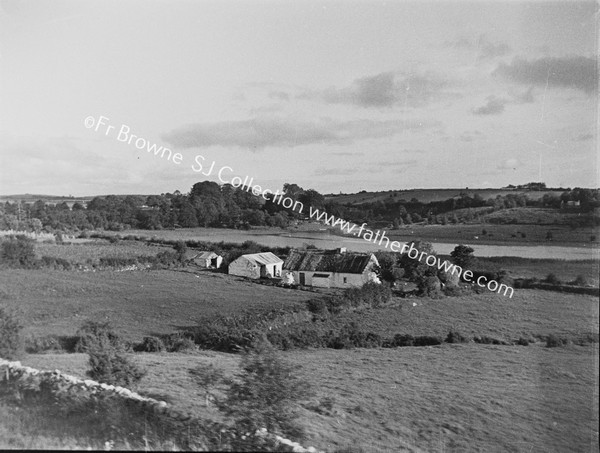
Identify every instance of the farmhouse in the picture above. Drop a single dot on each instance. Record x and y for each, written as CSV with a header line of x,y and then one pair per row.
x,y
257,265
205,260
331,268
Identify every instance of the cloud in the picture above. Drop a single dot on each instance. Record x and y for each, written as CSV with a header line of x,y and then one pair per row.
x,y
335,171
279,95
382,90
509,164
486,49
493,106
584,137
575,72
262,132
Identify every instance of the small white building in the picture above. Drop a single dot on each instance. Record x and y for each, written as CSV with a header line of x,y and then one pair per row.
x,y
205,260
257,265
330,268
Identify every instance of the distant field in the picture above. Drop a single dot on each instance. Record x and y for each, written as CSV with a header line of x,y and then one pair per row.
x,y
96,249
429,195
528,314
138,303
472,398
499,234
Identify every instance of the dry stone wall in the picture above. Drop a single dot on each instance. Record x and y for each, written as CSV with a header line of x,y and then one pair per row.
x,y
63,385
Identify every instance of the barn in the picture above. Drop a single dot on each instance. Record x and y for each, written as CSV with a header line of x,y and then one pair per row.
x,y
257,265
205,260
330,268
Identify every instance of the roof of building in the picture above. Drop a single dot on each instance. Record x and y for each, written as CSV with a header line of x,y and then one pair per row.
x,y
195,254
263,258
327,261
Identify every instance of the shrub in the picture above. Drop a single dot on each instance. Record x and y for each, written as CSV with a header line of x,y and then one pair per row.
x,y
456,337
553,341
523,341
426,340
42,344
552,279
488,340
11,343
264,393
401,340
580,280
317,306
108,364
207,378
152,344
91,333
18,251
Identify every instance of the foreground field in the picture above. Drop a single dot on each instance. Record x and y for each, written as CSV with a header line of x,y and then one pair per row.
x,y
444,398
137,303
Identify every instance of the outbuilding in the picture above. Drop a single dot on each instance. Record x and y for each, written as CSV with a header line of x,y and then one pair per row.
x,y
205,260
257,265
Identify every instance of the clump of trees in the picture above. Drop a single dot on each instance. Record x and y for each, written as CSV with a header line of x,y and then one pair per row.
x,y
11,342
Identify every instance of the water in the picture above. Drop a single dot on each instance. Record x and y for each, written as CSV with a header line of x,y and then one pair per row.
x,y
329,241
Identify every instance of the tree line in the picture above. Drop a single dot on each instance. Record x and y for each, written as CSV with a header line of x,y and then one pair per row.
x,y
209,204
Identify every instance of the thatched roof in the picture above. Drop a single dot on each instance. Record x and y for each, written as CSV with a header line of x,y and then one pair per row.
x,y
327,261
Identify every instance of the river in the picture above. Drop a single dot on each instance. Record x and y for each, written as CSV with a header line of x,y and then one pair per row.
x,y
324,240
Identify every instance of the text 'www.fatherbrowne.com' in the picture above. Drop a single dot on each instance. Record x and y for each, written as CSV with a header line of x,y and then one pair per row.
x,y
379,237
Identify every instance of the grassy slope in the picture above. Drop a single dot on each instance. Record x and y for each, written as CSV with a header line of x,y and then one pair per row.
x,y
529,313
137,303
96,249
447,398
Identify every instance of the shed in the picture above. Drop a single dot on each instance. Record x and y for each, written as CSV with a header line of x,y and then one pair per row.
x,y
257,265
205,260
331,268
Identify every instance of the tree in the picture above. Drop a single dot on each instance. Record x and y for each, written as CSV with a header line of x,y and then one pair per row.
x,y
18,252
264,393
388,269
10,335
207,378
462,256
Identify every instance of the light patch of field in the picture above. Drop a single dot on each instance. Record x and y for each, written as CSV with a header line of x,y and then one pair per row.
x,y
444,398
137,303
529,313
92,251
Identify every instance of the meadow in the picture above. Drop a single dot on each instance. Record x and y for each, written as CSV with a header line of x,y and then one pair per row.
x,y
138,303
449,398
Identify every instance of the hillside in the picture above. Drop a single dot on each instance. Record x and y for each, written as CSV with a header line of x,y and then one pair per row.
x,y
433,195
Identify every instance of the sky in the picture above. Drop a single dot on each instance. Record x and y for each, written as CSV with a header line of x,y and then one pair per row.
x,y
330,95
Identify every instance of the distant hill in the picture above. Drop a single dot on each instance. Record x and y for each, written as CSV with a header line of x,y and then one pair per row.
x,y
432,195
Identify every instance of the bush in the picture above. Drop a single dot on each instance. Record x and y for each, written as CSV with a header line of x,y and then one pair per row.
x,y
91,333
42,344
553,341
552,279
426,340
264,393
18,251
11,343
152,344
456,337
523,341
580,280
317,306
488,340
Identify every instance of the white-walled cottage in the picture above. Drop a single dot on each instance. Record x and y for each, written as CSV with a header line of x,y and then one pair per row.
x,y
205,260
331,268
257,265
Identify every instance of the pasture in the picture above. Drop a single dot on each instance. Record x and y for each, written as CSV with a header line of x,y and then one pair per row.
x,y
463,398
137,303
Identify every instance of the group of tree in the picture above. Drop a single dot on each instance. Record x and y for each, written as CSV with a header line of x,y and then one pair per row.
x,y
209,204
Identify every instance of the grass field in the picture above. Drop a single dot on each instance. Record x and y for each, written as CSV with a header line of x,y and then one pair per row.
x,y
450,398
95,249
528,314
137,303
